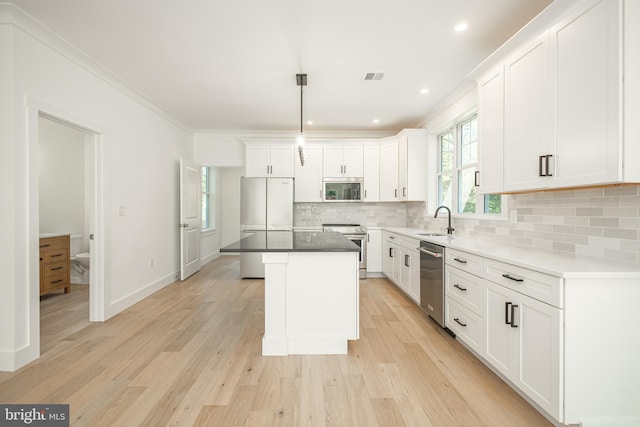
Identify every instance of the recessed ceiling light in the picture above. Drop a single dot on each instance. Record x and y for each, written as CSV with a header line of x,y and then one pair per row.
x,y
376,121
424,91
461,27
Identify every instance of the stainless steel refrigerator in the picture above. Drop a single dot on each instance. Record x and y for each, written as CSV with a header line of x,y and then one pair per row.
x,y
266,204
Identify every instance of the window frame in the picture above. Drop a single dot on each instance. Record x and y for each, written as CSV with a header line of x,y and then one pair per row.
x,y
209,195
454,127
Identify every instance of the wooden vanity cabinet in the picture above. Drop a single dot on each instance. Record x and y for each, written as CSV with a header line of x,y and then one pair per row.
x,y
55,264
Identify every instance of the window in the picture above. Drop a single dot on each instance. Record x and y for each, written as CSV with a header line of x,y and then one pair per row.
x,y
457,165
208,198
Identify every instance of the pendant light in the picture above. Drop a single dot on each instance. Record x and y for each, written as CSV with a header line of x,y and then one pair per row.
x,y
301,80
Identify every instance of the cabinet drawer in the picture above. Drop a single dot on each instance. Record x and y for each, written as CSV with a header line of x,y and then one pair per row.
x,y
52,243
55,255
55,280
464,261
466,325
56,267
540,286
465,288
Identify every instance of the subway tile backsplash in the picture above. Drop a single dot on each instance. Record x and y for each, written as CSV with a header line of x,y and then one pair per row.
x,y
600,222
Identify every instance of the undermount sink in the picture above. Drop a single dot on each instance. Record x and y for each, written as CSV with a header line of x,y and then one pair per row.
x,y
431,234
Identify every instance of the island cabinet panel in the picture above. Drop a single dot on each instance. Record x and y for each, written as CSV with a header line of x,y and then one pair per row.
x,y
55,269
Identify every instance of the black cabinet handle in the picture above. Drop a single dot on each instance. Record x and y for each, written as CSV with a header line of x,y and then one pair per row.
x,y
459,322
460,260
56,281
515,279
540,162
506,313
404,191
547,157
56,255
406,261
45,246
476,179
513,318
56,268
460,287
391,252
395,193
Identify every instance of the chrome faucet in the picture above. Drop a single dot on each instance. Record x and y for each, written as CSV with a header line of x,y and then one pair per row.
x,y
449,228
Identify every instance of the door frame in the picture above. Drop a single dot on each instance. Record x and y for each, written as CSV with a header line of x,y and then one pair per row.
x,y
99,247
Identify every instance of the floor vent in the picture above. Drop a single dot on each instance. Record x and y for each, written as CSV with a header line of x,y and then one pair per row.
x,y
373,76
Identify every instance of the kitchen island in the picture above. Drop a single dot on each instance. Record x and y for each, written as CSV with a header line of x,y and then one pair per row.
x,y
311,290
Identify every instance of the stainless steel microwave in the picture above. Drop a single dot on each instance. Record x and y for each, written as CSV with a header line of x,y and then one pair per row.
x,y
343,189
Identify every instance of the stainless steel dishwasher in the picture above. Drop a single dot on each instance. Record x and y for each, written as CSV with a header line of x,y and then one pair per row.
x,y
432,280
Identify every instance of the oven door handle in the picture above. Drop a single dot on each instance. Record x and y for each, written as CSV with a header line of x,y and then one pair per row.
x,y
433,254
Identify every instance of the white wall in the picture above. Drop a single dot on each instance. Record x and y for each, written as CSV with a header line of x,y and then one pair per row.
x,y
140,152
230,209
61,171
214,150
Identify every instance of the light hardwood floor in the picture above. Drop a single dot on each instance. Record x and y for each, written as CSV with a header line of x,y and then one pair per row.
x,y
191,355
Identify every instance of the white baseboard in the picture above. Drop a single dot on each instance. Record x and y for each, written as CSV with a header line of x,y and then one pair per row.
x,y
11,361
126,302
209,258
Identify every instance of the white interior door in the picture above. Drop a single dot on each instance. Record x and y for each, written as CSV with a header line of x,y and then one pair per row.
x,y
190,222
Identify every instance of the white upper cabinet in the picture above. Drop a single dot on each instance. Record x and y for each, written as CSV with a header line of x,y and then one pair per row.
x,y
343,161
269,161
585,61
412,165
571,102
491,131
389,170
527,113
371,173
308,178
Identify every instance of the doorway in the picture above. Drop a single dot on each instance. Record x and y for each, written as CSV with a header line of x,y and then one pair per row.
x,y
65,166
94,136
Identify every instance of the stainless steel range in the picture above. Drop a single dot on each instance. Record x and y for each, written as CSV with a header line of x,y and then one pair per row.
x,y
357,234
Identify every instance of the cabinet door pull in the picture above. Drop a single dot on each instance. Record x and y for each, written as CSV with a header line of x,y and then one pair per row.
x,y
404,191
395,193
368,238
56,255
56,281
513,317
345,169
365,193
459,322
547,164
476,179
391,252
45,246
515,279
460,287
506,313
56,268
460,260
406,261
540,162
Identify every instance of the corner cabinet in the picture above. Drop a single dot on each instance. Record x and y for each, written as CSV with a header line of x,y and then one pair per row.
x,y
270,160
55,268
308,178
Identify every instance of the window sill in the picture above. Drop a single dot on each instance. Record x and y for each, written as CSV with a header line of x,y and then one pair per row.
x,y
207,232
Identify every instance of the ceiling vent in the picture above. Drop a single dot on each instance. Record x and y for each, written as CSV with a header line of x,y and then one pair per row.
x,y
373,76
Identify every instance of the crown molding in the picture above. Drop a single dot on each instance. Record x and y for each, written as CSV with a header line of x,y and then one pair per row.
x,y
12,15
248,135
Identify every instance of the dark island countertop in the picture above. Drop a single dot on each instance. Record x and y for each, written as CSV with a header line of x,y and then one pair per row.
x,y
293,241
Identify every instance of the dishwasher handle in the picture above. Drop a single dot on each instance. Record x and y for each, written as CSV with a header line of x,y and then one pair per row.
x,y
433,254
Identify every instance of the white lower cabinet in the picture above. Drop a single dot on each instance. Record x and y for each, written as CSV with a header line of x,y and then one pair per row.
x,y
464,323
374,251
401,263
522,340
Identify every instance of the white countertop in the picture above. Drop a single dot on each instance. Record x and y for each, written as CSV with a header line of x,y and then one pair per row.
x,y
555,263
45,235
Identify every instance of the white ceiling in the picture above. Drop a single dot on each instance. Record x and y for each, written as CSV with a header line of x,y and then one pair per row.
x,y
231,65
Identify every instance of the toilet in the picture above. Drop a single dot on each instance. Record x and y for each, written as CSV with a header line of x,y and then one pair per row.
x,y
79,261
